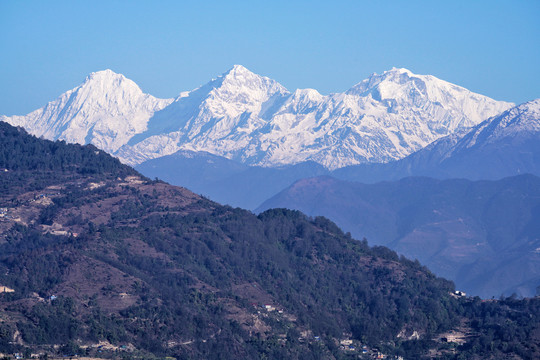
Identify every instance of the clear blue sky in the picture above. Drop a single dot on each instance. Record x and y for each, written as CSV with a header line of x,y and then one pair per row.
x,y
48,47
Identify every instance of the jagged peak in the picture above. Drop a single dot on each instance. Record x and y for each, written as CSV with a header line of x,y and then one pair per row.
x,y
239,71
99,83
106,72
239,77
237,68
108,81
525,113
533,105
395,70
307,93
523,119
104,75
399,81
529,110
394,75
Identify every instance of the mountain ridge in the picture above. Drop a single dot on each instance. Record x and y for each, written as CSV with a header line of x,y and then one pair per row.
x,y
254,120
501,146
480,234
515,151
104,110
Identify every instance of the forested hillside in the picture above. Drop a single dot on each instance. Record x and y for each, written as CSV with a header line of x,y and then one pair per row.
x,y
484,235
96,259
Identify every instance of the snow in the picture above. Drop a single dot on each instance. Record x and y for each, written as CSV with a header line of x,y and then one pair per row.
x,y
253,119
106,110
519,122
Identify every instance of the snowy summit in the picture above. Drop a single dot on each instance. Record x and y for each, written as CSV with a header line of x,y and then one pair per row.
x,y
107,109
253,119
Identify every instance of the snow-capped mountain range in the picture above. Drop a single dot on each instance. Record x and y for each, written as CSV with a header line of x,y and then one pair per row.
x,y
253,119
518,123
504,145
106,110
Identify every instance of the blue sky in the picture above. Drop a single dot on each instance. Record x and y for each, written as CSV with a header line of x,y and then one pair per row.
x,y
48,47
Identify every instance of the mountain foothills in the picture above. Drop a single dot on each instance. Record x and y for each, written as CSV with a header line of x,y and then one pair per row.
x,y
484,235
97,260
255,121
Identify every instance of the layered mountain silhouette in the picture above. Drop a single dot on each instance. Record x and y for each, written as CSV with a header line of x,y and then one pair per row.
x,y
504,145
241,138
227,181
481,234
484,235
98,260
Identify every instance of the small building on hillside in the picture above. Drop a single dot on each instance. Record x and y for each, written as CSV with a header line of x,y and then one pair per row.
x,y
5,289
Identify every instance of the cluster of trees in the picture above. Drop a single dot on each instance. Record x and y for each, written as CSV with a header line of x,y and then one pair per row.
x,y
20,151
506,326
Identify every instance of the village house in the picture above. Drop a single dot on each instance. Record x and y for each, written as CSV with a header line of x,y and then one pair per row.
x,y
5,289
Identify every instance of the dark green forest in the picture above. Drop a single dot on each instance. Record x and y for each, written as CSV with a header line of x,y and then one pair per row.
x,y
97,253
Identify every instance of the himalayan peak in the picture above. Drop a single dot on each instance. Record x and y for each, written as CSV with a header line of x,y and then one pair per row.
x,y
253,119
107,109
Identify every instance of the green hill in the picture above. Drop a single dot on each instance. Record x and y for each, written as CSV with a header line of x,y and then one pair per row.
x,y
98,260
